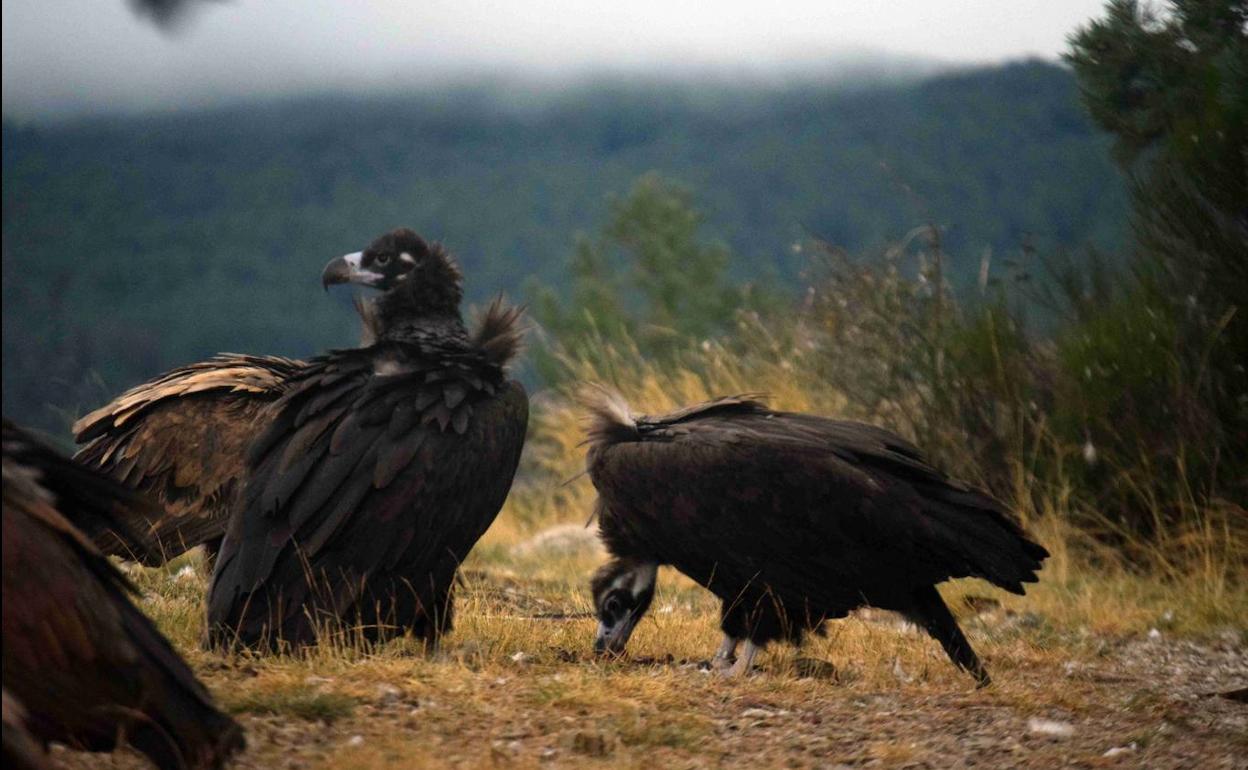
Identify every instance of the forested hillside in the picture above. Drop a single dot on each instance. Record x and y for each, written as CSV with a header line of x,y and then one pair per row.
x,y
133,244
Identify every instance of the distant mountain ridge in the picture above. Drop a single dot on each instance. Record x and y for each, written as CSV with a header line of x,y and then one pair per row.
x,y
132,244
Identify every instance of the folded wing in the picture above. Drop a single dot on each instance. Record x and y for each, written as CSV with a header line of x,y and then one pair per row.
x,y
182,439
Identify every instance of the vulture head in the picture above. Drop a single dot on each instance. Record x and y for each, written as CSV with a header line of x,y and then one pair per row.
x,y
623,590
416,279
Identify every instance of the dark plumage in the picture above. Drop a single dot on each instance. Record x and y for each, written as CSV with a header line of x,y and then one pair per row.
x,y
88,668
381,468
182,439
791,519
22,750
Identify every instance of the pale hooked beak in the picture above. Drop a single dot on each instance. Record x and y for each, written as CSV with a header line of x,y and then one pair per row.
x,y
346,269
611,640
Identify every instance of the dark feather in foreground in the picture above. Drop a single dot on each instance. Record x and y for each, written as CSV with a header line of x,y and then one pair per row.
x,y
381,468
182,439
22,751
792,519
86,665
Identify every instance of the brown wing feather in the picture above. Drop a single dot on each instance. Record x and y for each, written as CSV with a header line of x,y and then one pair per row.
x,y
21,750
85,663
182,438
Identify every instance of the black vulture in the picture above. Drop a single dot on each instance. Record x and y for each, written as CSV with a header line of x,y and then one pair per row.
x,y
87,667
182,439
791,519
381,468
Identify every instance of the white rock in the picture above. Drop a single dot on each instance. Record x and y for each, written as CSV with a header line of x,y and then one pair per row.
x,y
1050,727
561,540
1118,750
388,693
519,657
356,740
756,713
1154,634
900,672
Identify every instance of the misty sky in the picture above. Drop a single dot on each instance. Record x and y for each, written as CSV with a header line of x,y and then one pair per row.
x,y
68,56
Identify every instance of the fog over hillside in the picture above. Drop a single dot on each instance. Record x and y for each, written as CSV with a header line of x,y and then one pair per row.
x,y
69,57
132,244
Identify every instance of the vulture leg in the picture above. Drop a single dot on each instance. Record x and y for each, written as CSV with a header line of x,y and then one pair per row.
x,y
746,662
930,612
726,654
211,548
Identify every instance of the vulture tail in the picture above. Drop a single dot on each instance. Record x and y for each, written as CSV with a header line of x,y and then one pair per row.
x,y
979,537
155,542
931,612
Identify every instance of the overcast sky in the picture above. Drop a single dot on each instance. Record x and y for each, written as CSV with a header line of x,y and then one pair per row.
x,y
67,56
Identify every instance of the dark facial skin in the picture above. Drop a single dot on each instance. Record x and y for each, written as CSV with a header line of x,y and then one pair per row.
x,y
386,262
623,591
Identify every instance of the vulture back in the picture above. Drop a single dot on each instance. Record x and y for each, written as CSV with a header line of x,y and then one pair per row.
x,y
86,664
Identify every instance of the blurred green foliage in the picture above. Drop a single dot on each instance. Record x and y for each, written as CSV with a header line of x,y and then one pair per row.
x,y
1166,357
650,277
133,244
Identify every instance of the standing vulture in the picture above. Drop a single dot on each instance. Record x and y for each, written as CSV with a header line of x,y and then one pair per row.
x,y
87,667
791,519
381,467
182,439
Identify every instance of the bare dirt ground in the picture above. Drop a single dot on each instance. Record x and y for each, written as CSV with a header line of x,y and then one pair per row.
x,y
514,686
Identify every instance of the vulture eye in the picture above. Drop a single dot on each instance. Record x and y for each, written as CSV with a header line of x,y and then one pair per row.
x,y
612,607
383,259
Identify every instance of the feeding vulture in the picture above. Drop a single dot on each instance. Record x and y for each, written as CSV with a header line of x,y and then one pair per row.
x,y
87,667
381,466
182,439
791,519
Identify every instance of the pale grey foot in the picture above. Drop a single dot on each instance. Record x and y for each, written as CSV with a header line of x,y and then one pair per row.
x,y
745,662
726,654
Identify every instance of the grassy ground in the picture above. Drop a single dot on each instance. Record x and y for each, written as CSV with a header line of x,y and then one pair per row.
x,y
1112,670
1107,662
